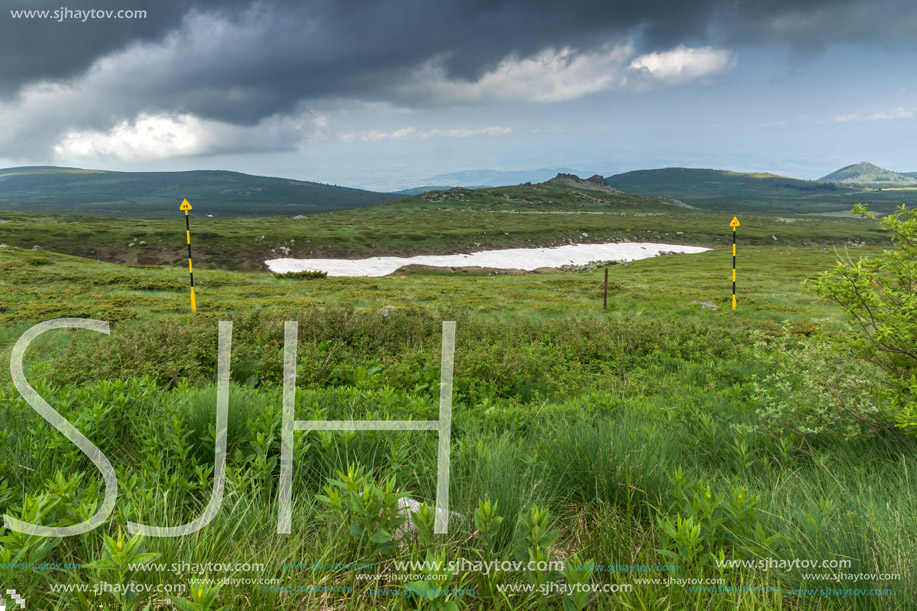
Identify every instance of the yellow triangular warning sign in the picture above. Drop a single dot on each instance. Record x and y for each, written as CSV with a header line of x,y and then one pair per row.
x,y
733,223
185,205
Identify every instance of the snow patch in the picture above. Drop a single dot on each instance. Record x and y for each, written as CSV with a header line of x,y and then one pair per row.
x,y
528,259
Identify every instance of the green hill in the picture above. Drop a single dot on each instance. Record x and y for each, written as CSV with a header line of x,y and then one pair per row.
x,y
549,196
150,194
865,173
755,192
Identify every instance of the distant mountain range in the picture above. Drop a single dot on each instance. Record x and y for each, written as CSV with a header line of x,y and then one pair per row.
x,y
221,193
428,188
738,191
865,173
149,194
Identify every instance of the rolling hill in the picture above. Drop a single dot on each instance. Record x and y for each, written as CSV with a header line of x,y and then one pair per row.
x,y
150,194
755,192
564,193
865,173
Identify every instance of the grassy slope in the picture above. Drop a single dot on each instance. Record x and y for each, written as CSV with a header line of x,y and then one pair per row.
x,y
41,285
440,223
152,194
559,403
738,192
545,381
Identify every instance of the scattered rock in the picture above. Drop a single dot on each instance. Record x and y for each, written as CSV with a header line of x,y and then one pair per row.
x,y
705,304
588,267
142,243
4,245
36,248
775,237
593,183
823,250
130,245
406,508
386,310
585,235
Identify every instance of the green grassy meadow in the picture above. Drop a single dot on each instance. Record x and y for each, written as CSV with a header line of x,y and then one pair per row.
x,y
438,223
636,435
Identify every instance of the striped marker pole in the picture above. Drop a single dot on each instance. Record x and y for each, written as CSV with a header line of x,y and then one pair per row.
x,y
185,206
734,223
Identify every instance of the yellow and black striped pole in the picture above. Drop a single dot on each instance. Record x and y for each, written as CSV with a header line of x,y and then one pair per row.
x,y
186,207
734,223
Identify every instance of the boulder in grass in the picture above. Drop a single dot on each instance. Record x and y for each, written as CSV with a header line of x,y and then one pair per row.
x,y
407,507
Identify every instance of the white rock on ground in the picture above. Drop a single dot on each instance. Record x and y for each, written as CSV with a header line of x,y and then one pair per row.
x,y
528,259
408,507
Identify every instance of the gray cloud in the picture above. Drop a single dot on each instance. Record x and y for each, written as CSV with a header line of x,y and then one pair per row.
x,y
249,63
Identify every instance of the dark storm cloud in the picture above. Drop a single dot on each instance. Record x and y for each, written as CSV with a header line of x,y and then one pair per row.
x,y
48,49
321,44
242,62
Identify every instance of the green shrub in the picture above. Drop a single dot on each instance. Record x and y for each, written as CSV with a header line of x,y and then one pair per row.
x,y
369,512
880,296
308,274
705,525
817,389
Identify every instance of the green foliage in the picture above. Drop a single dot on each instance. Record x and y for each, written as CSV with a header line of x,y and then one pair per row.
x,y
880,295
369,512
487,521
817,389
539,537
119,555
203,598
577,573
703,526
303,275
424,519
432,589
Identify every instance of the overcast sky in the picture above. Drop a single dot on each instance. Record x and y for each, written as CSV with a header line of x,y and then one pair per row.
x,y
385,93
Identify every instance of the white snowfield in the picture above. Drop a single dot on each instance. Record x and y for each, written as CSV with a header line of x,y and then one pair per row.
x,y
512,258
